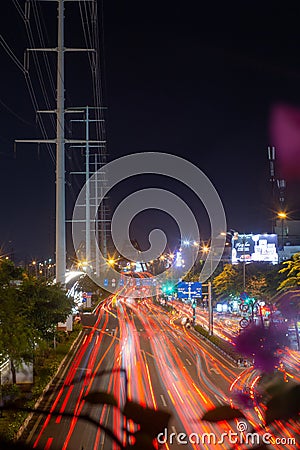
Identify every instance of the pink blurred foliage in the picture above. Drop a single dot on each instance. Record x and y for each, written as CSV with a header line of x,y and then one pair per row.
x,y
262,344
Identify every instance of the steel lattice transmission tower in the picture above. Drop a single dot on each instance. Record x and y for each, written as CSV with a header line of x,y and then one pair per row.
x,y
60,140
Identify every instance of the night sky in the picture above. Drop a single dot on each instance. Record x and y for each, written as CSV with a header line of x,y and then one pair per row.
x,y
186,78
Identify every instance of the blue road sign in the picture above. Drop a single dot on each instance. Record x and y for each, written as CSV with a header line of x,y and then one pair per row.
x,y
189,289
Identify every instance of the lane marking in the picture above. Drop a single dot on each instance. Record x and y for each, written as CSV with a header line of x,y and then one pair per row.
x,y
163,400
188,361
179,349
219,400
174,430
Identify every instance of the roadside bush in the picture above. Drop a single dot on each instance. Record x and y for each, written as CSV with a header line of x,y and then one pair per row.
x,y
226,347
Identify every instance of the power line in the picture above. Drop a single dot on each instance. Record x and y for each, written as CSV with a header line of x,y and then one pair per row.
x,y
11,111
11,53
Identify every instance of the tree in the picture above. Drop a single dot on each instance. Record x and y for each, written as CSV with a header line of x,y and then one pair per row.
x,y
15,337
273,279
288,300
9,273
47,303
229,281
255,286
261,280
292,273
16,334
29,311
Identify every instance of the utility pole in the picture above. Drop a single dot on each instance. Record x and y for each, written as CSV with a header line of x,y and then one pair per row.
x,y
271,157
281,185
92,189
60,141
60,251
210,311
244,263
87,193
97,227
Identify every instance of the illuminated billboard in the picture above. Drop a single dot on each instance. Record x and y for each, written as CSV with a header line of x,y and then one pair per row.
x,y
254,248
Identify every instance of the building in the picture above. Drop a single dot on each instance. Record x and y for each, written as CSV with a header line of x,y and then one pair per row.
x,y
288,232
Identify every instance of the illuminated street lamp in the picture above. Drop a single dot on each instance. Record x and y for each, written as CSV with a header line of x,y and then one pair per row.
x,y
206,249
35,267
83,265
111,261
115,262
282,215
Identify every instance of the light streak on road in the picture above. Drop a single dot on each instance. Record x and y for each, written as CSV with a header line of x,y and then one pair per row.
x,y
166,367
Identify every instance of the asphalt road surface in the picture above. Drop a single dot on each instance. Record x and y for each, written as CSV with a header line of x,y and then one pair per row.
x,y
135,350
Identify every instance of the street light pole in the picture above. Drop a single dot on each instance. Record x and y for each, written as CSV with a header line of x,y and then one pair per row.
x,y
282,216
210,311
244,265
35,268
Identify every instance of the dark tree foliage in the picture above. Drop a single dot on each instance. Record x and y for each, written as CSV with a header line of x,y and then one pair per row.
x,y
47,304
30,309
9,273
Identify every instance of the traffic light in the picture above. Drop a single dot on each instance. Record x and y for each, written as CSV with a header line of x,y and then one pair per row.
x,y
168,288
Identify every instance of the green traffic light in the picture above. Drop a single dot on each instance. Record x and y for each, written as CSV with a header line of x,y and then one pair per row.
x,y
168,288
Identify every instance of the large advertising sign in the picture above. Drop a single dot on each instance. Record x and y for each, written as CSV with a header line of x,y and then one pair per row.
x,y
254,248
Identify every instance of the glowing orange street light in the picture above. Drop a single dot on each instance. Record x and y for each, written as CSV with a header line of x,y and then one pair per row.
x,y
282,215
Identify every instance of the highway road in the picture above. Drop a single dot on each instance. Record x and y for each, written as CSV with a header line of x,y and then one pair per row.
x,y
227,328
167,366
